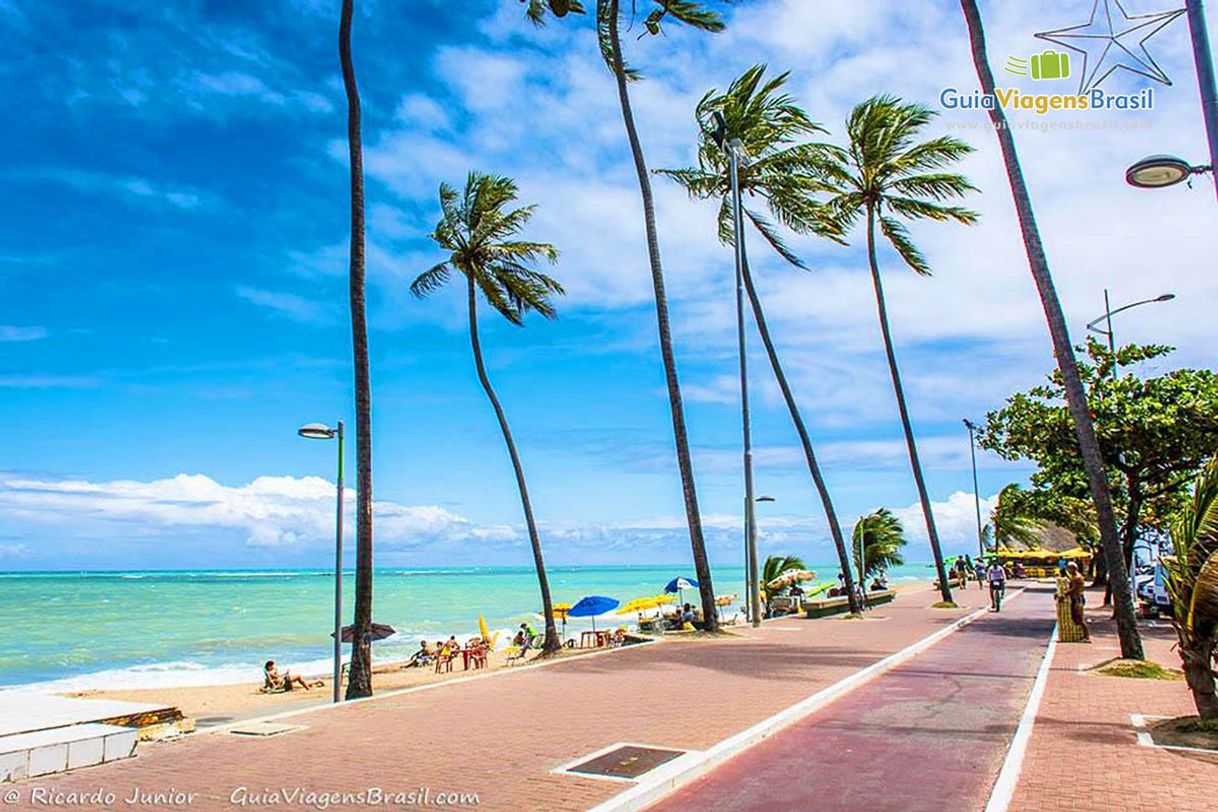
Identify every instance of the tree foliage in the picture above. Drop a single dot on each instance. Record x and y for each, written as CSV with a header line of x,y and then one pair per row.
x,y
1154,432
881,537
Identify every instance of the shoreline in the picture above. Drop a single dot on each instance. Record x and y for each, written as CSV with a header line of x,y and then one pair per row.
x,y
221,704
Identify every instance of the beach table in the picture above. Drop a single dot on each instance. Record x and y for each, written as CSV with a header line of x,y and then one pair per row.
x,y
475,655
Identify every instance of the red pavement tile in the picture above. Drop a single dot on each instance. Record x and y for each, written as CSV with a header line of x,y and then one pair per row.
x,y
501,736
1083,749
930,734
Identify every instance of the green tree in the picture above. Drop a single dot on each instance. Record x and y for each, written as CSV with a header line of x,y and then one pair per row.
x,y
888,175
1014,520
1192,584
1038,264
784,173
481,235
880,536
1154,435
608,19
359,680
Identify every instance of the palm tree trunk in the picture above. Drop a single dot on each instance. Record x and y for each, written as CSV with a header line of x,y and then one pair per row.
x,y
553,644
701,564
944,588
359,680
1076,398
1199,674
843,556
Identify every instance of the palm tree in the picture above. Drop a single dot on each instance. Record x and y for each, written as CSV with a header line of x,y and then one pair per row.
x,y
784,173
359,681
481,238
608,17
880,536
1076,397
1011,520
1192,584
888,175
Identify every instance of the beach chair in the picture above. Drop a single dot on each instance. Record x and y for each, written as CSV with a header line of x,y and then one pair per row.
x,y
444,660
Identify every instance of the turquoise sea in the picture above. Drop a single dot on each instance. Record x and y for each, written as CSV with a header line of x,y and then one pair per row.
x,y
135,629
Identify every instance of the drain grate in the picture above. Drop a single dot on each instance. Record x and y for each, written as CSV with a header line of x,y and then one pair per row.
x,y
626,762
264,729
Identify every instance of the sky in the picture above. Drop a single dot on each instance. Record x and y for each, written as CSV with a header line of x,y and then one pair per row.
x,y
173,293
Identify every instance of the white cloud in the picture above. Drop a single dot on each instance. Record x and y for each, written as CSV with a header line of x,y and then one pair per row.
x,y
269,511
10,332
289,305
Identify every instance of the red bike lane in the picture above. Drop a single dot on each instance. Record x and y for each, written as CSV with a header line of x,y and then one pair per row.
x,y
930,734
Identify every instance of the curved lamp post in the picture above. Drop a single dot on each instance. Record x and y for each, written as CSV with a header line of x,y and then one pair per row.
x,y
1160,171
1092,326
320,431
972,448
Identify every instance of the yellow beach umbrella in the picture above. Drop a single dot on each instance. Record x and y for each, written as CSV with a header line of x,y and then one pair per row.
x,y
637,605
660,600
725,600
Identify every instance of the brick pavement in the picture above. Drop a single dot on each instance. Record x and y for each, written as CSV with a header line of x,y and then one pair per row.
x,y
1083,754
930,734
500,736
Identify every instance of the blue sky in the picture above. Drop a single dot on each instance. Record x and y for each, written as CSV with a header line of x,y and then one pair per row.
x,y
173,291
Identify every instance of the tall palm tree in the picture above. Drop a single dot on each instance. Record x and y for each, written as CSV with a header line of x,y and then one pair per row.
x,y
608,17
784,172
481,237
888,175
1192,584
1076,397
1011,519
880,536
359,681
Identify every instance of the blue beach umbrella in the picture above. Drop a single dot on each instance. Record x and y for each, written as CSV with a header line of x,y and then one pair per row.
x,y
678,584
592,606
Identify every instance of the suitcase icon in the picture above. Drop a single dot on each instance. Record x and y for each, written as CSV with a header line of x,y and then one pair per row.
x,y
1050,64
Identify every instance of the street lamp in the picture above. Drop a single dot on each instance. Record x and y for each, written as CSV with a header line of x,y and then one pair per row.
x,y
1092,326
320,431
972,448
1166,170
1160,171
734,148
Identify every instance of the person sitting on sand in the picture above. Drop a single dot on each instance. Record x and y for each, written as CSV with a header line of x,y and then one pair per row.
x,y
274,682
423,656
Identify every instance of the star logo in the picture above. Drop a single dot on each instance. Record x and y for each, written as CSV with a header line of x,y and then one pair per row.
x,y
1112,39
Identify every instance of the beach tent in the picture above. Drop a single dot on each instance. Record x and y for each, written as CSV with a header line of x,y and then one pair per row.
x,y
593,605
379,632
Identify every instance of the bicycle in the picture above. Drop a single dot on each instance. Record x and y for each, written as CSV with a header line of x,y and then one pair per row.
x,y
997,590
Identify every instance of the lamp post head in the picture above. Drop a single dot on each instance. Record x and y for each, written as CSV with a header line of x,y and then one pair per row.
x,y
316,431
1166,297
1159,171
766,499
970,425
719,129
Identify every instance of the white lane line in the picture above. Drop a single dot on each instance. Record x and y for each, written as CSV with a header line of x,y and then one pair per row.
x,y
1004,787
654,787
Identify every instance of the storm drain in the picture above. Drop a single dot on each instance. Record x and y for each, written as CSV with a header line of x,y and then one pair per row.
x,y
264,729
623,762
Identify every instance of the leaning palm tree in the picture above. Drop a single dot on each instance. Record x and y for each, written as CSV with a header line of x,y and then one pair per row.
x,y
1192,584
359,681
783,172
1011,519
880,536
481,237
887,176
608,19
1076,397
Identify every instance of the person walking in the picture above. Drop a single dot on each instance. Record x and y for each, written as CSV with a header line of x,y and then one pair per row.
x,y
979,570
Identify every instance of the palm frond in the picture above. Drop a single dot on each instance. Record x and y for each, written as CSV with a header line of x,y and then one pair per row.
x,y
431,280
915,209
898,235
772,237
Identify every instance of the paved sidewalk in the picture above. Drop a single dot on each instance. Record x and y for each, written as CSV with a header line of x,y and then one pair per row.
x,y
929,735
500,736
1083,754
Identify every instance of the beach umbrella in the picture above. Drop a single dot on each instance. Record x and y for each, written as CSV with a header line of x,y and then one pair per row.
x,y
637,605
593,605
379,632
560,613
678,585
725,600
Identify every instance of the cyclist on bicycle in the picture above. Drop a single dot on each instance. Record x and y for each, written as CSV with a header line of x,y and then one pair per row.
x,y
997,577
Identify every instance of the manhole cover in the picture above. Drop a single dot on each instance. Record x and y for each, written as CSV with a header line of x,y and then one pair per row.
x,y
264,729
628,762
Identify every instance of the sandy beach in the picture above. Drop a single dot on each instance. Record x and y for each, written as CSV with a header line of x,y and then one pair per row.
x,y
211,705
